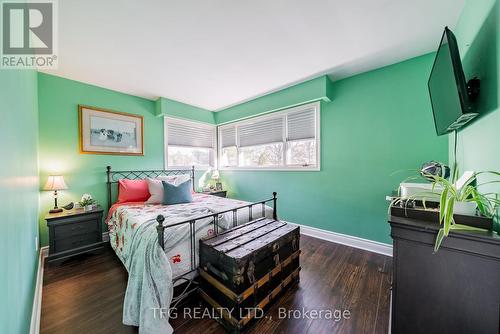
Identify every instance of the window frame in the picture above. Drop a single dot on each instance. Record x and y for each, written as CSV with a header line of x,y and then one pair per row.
x,y
284,166
213,127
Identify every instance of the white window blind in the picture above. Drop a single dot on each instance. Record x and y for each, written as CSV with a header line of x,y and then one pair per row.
x,y
265,131
286,139
227,136
301,124
189,134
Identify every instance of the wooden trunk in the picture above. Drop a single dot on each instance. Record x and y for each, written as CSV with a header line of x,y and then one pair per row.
x,y
244,269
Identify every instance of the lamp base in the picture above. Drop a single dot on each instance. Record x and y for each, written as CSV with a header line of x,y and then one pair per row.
x,y
56,210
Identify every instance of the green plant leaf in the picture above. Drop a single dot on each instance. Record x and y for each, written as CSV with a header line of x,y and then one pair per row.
x,y
486,183
482,205
439,240
442,204
460,227
404,170
448,219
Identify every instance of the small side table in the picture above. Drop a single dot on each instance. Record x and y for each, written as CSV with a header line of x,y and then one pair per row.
x,y
74,232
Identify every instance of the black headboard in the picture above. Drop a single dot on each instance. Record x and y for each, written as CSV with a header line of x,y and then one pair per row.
x,y
114,176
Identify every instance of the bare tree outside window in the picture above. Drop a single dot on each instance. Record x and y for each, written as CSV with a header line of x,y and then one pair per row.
x,y
188,156
302,152
262,155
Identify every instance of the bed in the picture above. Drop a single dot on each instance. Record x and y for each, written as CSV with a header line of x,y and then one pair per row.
x,y
158,244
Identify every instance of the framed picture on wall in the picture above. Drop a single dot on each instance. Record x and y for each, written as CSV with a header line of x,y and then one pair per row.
x,y
103,131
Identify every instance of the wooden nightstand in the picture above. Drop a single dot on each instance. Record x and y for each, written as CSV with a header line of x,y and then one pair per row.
x,y
74,232
218,193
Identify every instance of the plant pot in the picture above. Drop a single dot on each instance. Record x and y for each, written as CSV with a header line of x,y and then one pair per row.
x,y
464,208
89,207
432,215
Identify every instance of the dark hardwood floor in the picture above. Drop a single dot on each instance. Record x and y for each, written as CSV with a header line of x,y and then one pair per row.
x,y
85,295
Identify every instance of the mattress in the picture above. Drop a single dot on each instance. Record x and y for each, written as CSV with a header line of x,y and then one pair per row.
x,y
124,220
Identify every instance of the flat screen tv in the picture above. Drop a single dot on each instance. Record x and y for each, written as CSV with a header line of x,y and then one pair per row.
x,y
451,96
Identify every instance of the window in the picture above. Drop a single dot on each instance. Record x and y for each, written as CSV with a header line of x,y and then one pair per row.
x,y
189,143
288,139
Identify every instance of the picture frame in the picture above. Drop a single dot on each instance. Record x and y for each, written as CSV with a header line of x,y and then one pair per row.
x,y
218,186
104,131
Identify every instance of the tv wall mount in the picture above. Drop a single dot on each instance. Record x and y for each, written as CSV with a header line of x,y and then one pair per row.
x,y
473,86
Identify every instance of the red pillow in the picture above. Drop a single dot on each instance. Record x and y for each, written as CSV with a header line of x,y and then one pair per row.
x,y
132,191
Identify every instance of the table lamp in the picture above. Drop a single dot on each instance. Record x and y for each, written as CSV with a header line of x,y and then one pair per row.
x,y
55,183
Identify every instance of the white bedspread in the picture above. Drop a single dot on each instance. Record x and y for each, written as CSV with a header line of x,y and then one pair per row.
x,y
133,236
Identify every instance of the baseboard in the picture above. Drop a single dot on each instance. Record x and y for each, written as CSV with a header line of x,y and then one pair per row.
x,y
348,240
37,298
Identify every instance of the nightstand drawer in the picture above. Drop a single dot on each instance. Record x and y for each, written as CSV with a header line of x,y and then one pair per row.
x,y
218,193
74,229
62,245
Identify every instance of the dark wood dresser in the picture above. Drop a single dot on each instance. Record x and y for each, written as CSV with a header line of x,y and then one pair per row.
x,y
455,290
74,232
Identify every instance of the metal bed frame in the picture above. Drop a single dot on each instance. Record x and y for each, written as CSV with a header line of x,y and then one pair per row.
x,y
114,176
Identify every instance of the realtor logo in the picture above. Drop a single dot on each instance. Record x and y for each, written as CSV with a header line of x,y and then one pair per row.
x,y
28,34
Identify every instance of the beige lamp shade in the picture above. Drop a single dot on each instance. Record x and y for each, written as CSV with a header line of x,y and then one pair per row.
x,y
215,175
55,182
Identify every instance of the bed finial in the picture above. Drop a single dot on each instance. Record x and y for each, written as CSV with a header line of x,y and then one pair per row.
x,y
192,178
160,219
275,212
108,184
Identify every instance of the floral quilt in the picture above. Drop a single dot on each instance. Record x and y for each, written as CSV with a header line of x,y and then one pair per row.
x,y
133,236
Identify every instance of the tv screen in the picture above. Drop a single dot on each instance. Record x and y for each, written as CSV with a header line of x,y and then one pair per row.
x,y
447,87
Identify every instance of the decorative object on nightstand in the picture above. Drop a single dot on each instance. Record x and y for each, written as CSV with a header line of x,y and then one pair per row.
x,y
74,232
69,206
87,202
216,177
55,183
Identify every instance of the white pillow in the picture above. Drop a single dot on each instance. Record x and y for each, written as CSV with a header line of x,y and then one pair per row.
x,y
175,179
156,186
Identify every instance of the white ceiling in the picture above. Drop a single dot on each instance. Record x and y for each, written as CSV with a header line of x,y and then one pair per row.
x,y
214,54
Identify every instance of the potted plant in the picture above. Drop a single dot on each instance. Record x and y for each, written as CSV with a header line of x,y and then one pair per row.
x,y
87,202
463,199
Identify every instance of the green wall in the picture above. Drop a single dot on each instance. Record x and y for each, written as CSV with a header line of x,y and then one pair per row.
x,y
85,173
377,123
59,150
171,108
365,131
479,40
18,198
318,89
